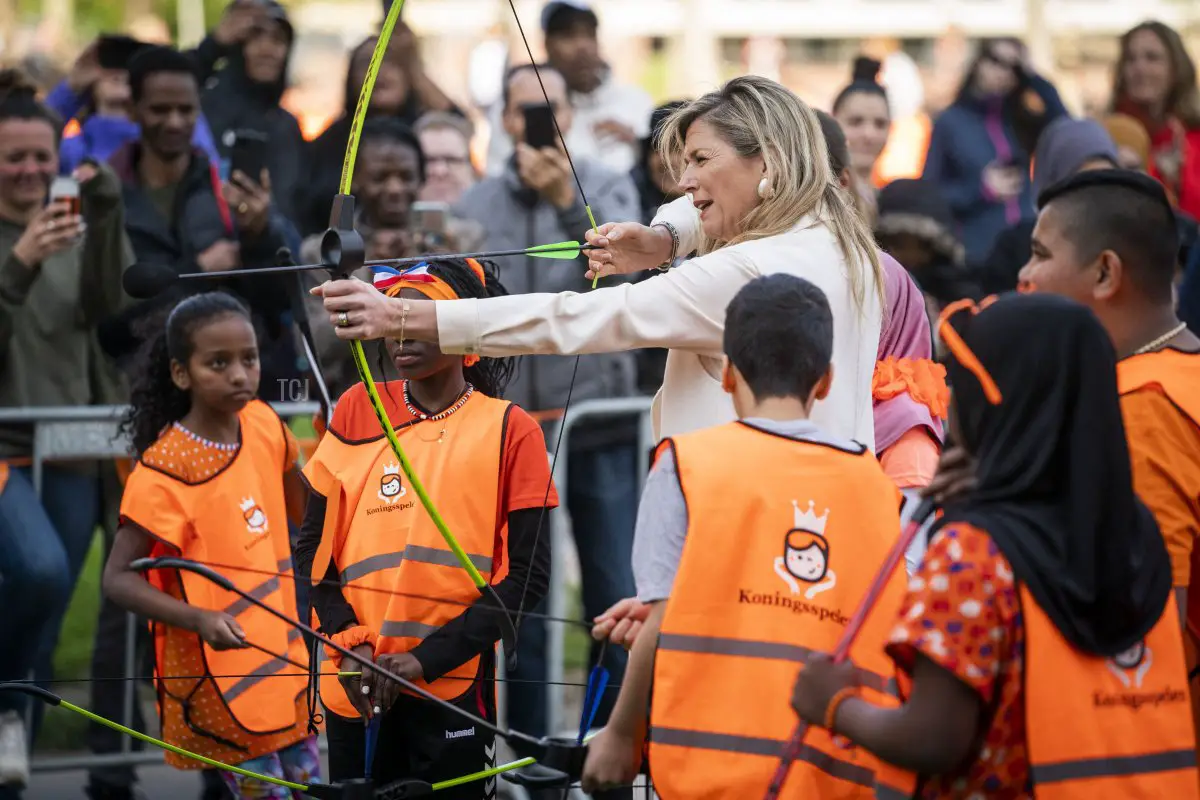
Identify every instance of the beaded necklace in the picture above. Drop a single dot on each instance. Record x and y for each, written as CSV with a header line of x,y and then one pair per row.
x,y
228,448
441,415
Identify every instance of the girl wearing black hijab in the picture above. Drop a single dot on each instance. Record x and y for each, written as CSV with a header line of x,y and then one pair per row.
x,y
1036,609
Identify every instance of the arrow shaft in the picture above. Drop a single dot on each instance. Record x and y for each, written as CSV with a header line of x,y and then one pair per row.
x,y
383,262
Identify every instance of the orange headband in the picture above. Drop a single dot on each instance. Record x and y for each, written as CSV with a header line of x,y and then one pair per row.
x,y
431,285
959,349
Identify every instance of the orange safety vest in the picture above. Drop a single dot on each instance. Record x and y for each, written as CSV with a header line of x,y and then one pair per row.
x,y
1177,375
397,572
1108,729
237,522
775,564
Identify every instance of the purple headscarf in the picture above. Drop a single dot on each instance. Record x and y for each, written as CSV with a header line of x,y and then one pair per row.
x,y
905,334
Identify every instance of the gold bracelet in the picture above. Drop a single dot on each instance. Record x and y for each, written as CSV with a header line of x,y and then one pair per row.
x,y
835,702
404,309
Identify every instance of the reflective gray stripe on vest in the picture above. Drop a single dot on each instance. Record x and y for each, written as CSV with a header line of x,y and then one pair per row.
x,y
1114,767
772,748
884,792
413,552
260,592
257,676
415,630
711,645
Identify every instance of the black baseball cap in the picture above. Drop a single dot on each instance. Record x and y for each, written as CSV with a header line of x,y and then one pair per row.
x,y
553,16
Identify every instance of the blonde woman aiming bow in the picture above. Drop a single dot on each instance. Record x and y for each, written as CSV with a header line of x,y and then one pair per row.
x,y
754,161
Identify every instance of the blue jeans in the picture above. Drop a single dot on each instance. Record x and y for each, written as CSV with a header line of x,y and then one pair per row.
x,y
42,548
602,497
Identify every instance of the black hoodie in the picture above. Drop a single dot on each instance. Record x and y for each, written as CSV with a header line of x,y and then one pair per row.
x,y
231,101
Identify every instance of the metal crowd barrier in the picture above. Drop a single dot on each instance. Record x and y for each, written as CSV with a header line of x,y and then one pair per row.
x,y
84,433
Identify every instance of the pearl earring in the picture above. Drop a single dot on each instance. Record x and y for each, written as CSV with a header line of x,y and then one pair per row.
x,y
765,192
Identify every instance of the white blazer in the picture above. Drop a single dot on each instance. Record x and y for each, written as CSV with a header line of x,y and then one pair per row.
x,y
684,310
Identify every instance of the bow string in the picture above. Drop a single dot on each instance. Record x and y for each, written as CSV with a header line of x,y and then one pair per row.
x,y
575,367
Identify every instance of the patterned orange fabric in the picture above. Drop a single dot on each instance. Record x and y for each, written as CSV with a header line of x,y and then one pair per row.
x,y
922,379
205,709
963,613
190,460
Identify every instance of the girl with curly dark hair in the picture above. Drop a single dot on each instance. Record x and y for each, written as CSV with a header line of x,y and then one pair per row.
x,y
394,592
214,482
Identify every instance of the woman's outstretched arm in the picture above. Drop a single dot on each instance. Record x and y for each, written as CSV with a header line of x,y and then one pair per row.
x,y
683,309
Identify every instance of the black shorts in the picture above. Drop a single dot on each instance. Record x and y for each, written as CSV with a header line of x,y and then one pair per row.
x,y
423,741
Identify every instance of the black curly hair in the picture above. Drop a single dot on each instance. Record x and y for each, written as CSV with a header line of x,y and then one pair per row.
x,y
155,400
491,375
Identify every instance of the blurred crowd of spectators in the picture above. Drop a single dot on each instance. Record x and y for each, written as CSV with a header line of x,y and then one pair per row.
x,y
187,159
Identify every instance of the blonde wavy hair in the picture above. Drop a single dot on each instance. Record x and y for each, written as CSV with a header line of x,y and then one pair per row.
x,y
757,116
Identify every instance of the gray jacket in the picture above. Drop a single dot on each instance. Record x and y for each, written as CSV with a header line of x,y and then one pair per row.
x,y
515,217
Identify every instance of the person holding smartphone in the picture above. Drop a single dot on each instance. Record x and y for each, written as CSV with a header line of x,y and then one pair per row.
x,y
60,273
536,201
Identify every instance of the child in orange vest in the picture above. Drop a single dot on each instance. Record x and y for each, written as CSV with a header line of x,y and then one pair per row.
x,y
214,473
755,542
1040,631
392,590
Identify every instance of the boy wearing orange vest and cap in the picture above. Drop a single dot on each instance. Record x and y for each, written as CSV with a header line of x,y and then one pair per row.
x,y
1107,239
755,541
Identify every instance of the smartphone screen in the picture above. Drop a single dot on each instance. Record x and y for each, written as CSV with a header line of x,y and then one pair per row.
x,y
249,154
429,217
114,50
539,126
66,190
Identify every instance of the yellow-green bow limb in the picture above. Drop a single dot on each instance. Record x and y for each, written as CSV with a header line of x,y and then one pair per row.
x,y
356,349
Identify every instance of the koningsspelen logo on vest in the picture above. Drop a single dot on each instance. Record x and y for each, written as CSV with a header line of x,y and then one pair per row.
x,y
391,490
1132,667
805,568
256,518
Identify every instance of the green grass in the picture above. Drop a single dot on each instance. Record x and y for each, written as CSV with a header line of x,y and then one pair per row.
x,y
73,658
302,427
577,640
64,730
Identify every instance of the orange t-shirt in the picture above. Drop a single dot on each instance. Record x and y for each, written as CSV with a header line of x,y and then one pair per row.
x,y
192,713
524,472
1164,447
912,460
